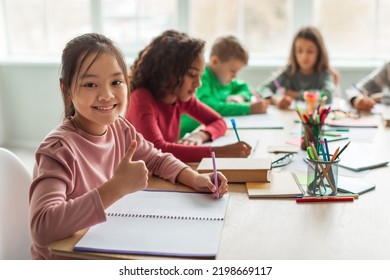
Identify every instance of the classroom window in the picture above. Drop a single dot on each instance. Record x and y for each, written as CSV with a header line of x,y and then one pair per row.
x,y
263,24
42,27
134,23
354,28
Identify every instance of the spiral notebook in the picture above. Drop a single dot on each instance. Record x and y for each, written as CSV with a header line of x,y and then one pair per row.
x,y
359,163
160,223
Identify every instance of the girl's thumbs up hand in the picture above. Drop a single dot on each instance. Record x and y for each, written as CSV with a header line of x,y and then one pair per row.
x,y
131,175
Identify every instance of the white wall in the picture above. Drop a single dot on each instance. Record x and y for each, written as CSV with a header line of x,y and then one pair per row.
x,y
32,104
2,132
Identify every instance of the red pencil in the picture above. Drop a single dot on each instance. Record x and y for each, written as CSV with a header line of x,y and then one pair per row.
x,y
324,199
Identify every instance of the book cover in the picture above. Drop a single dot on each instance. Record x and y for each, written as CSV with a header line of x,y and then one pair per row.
x,y
239,170
282,185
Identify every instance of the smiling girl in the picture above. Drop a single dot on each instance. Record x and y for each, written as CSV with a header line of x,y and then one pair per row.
x,y
308,70
95,157
165,77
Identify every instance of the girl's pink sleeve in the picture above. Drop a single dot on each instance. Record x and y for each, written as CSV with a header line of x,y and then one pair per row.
x,y
52,215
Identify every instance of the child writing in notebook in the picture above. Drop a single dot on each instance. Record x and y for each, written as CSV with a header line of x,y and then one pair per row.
x,y
221,89
94,157
308,69
369,90
165,77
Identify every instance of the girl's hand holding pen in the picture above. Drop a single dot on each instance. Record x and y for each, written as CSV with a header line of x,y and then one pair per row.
x,y
205,182
237,150
259,107
364,103
285,102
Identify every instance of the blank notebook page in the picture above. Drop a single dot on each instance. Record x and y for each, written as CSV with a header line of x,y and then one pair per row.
x,y
160,223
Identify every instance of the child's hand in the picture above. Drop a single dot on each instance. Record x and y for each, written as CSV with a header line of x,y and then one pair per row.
x,y
259,107
363,103
236,150
285,102
196,138
235,99
205,182
131,175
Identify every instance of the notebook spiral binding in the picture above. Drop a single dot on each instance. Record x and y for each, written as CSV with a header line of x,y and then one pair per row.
x,y
162,217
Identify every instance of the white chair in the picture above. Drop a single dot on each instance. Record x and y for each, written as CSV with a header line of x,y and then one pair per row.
x,y
15,180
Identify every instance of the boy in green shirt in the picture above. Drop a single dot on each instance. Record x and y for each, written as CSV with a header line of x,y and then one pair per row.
x,y
220,89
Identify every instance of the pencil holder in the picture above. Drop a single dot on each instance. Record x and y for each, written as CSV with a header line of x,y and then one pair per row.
x,y
322,177
310,133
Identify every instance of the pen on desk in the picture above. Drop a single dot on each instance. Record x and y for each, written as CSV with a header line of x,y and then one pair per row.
x,y
324,199
235,129
215,174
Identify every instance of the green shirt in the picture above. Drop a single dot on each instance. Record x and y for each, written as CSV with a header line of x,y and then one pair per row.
x,y
214,94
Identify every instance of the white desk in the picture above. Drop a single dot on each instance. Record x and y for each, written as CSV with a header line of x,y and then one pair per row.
x,y
283,229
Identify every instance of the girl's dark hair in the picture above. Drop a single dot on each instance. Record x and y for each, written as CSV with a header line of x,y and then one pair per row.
x,y
313,34
161,65
73,57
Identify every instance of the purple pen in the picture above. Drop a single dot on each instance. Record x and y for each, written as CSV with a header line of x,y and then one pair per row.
x,y
215,174
278,86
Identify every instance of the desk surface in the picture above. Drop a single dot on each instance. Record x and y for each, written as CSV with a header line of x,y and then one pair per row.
x,y
283,229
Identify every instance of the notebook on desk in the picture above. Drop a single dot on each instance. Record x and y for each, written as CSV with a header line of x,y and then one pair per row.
x,y
160,223
361,163
282,185
282,149
257,121
354,185
354,123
